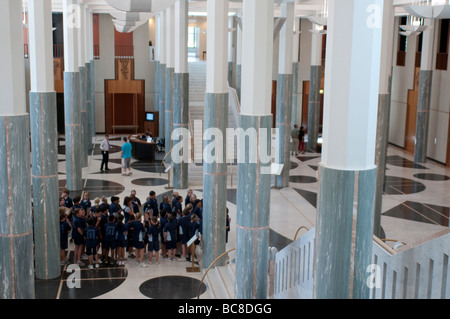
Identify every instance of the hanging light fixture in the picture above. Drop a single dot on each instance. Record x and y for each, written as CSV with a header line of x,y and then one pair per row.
x,y
322,17
429,9
414,27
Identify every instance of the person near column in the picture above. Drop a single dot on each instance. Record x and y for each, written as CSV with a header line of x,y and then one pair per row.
x,y
301,137
105,147
126,157
295,140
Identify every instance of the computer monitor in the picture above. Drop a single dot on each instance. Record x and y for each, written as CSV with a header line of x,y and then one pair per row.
x,y
149,117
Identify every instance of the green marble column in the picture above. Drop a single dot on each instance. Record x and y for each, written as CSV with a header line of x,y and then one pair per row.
x,y
45,184
16,227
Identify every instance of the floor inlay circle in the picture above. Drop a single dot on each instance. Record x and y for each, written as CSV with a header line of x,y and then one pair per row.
x,y
172,287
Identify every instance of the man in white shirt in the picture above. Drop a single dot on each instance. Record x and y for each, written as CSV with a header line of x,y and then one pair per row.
x,y
105,147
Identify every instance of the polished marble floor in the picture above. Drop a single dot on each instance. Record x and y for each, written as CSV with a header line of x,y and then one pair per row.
x,y
416,205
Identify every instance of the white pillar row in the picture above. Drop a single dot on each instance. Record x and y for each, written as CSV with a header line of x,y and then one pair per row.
x,y
296,96
71,23
161,49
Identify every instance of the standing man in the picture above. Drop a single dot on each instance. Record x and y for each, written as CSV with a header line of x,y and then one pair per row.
x,y
105,147
126,157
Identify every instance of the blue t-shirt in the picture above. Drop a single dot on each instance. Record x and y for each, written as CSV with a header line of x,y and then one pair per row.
x,y
153,234
138,230
110,231
126,148
91,234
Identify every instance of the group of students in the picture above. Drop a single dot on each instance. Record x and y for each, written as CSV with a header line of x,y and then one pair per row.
x,y
131,227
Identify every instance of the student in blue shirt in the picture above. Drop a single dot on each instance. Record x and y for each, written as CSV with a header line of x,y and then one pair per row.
x,y
152,204
91,236
138,239
77,235
193,228
67,200
183,230
170,236
109,242
121,240
64,236
153,240
126,157
115,207
86,202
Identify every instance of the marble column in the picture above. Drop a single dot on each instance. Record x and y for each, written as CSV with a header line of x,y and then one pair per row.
x,y
284,94
72,105
347,173
254,178
44,141
181,97
85,132
384,109
314,91
215,124
92,92
16,228
424,100
170,70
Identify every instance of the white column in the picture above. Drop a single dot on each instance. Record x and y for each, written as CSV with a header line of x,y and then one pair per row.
x,y
257,60
162,38
230,38
170,36
71,24
12,82
217,48
81,37
351,145
181,25
157,36
41,46
428,46
295,42
286,37
316,49
239,45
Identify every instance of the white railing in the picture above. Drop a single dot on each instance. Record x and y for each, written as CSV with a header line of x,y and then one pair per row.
x,y
294,269
415,271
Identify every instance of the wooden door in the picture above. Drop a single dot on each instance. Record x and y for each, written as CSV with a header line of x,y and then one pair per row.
x,y
305,103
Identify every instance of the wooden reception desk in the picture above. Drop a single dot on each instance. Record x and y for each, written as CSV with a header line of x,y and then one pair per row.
x,y
142,150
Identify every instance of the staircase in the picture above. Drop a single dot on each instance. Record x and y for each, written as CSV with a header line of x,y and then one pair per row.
x,y
221,282
197,89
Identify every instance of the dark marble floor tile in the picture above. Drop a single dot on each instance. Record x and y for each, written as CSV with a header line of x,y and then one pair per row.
x,y
97,188
314,167
425,213
311,197
277,240
149,181
147,166
432,177
401,186
172,287
302,179
307,158
402,162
